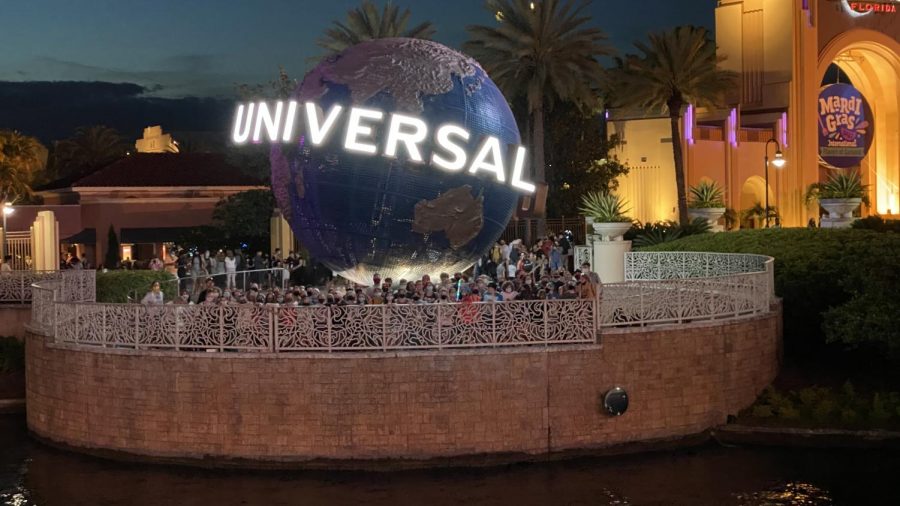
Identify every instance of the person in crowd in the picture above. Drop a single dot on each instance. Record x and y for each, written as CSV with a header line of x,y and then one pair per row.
x,y
154,296
504,251
155,264
208,285
183,299
586,288
6,266
491,295
230,263
219,267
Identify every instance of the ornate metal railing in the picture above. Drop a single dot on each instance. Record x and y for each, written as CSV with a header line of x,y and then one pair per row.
x,y
680,287
325,328
695,287
640,265
16,286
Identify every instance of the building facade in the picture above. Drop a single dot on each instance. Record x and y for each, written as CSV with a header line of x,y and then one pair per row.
x,y
150,198
784,51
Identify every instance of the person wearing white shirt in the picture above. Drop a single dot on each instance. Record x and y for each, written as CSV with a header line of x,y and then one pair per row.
x,y
154,296
230,270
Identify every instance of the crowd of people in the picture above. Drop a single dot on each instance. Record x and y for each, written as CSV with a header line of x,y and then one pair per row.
x,y
509,271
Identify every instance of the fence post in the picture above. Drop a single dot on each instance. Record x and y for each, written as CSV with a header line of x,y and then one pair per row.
x,y
328,330
137,326
546,323
103,338
21,286
384,326
274,319
494,323
76,323
221,328
55,318
176,310
437,317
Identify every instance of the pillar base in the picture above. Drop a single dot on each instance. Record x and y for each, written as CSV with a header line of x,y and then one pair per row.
x,y
609,260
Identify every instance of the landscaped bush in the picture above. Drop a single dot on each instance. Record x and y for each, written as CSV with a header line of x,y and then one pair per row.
x,y
827,407
837,285
116,286
651,234
12,354
877,223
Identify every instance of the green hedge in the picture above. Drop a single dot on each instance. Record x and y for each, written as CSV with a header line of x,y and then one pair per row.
x,y
837,285
116,286
12,354
827,408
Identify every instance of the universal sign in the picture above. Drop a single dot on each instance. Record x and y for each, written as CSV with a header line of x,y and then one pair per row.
x,y
845,126
405,135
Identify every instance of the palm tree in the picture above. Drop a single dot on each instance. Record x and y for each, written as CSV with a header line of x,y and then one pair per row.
x,y
21,158
676,68
541,51
90,148
366,22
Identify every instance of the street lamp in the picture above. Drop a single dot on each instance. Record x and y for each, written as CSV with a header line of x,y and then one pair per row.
x,y
7,210
778,162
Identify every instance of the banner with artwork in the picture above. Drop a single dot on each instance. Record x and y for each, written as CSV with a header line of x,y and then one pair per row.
x,y
846,126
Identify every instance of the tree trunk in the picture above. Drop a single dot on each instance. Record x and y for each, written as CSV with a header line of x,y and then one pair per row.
x,y
540,174
674,118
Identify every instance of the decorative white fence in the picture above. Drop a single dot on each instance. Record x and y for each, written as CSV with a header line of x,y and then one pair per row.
x,y
680,287
324,328
16,286
730,286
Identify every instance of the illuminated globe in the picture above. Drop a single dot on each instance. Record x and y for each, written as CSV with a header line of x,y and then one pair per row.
x,y
360,214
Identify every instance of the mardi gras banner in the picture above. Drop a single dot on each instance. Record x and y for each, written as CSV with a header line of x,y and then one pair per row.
x,y
846,126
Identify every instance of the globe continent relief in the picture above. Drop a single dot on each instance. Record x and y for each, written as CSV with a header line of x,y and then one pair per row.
x,y
360,214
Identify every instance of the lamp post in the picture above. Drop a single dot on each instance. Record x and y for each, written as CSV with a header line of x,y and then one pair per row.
x,y
7,210
778,162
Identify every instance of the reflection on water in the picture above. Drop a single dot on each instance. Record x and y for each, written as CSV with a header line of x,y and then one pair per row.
x,y
31,474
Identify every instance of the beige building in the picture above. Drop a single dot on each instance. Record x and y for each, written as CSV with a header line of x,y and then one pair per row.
x,y
784,51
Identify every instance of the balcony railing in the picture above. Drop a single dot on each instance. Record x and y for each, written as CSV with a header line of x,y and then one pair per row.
x,y
665,288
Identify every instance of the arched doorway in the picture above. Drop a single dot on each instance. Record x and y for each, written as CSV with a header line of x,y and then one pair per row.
x,y
872,62
753,201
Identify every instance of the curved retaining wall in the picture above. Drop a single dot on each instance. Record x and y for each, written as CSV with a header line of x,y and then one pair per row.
x,y
681,380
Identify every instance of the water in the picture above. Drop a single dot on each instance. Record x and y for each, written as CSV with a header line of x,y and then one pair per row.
x,y
31,474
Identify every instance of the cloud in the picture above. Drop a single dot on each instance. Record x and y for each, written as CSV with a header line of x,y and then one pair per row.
x,y
175,76
53,110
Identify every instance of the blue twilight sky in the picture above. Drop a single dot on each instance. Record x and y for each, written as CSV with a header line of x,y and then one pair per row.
x,y
178,48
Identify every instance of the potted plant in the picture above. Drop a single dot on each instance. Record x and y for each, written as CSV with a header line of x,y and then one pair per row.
x,y
607,210
707,203
840,195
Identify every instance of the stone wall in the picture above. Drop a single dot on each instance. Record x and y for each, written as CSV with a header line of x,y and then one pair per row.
x,y
681,380
13,318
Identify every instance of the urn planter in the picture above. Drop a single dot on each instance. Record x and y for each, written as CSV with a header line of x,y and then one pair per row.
x,y
840,212
710,214
611,231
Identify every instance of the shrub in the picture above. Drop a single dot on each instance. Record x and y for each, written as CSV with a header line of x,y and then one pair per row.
x,y
828,407
838,284
877,223
116,286
12,354
651,234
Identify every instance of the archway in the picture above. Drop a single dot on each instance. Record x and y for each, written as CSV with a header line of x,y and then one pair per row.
x,y
753,201
872,62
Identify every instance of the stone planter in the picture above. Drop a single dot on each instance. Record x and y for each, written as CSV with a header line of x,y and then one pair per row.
x,y
710,214
840,212
611,231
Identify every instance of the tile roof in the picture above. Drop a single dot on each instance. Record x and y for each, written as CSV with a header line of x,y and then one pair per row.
x,y
169,169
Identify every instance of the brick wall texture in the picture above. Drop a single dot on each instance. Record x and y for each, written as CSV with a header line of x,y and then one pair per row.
x,y
681,380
